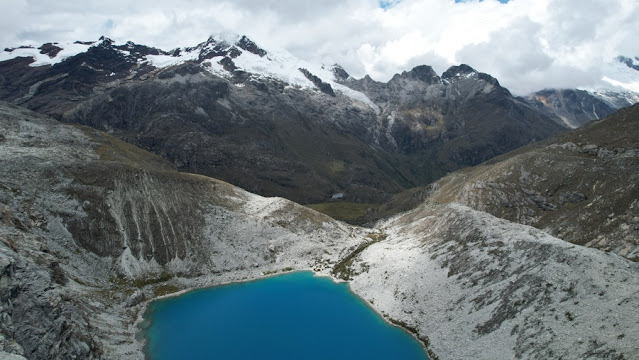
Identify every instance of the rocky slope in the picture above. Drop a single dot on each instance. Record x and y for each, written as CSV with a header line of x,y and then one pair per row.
x,y
485,288
273,124
462,118
262,136
90,226
578,186
93,228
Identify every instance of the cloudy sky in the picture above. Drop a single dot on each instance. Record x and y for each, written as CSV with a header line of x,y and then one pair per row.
x,y
526,44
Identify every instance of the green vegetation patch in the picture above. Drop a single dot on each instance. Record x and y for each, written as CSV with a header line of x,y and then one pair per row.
x,y
140,282
345,211
165,289
110,148
342,269
337,166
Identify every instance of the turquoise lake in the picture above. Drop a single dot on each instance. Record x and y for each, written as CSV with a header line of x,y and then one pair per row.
x,y
292,316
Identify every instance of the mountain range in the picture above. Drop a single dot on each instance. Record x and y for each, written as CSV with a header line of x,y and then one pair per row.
x,y
278,126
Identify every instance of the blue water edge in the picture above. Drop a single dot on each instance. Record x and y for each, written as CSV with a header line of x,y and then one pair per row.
x,y
292,316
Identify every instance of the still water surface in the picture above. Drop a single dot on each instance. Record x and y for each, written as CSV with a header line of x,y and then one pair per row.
x,y
291,316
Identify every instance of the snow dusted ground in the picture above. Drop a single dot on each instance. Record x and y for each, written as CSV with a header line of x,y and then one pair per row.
x,y
212,233
484,288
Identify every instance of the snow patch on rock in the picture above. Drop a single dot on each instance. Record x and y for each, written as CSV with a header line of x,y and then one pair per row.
x,y
68,50
484,288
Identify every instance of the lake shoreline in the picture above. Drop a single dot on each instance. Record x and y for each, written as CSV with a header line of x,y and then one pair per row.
x,y
144,321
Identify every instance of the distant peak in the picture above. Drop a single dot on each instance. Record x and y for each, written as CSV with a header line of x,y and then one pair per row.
x,y
248,45
423,69
339,72
105,40
423,73
458,70
368,79
224,37
212,40
630,62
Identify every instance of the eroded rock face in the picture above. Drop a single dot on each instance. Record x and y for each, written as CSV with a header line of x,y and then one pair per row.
x,y
40,320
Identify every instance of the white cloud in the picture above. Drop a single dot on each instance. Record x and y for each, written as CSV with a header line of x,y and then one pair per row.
x,y
526,44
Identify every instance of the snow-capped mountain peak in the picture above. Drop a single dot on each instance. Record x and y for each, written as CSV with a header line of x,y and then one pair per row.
x,y
632,63
622,73
47,54
221,54
50,54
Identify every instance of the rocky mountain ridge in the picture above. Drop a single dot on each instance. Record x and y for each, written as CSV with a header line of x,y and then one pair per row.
x,y
577,107
465,112
275,125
